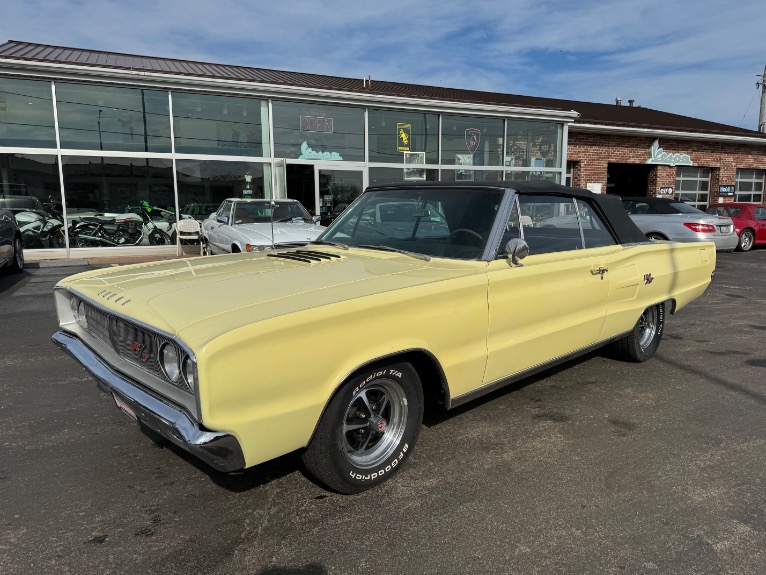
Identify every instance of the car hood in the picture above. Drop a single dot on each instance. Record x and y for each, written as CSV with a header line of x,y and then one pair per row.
x,y
204,297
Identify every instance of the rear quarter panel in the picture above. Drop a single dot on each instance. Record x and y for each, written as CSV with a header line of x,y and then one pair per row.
x,y
646,274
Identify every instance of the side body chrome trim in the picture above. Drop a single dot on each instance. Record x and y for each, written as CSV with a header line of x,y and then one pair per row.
x,y
219,450
492,386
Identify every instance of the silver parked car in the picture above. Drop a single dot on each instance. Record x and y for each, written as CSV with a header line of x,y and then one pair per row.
x,y
670,219
257,225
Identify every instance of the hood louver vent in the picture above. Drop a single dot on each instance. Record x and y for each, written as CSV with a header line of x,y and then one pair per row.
x,y
305,256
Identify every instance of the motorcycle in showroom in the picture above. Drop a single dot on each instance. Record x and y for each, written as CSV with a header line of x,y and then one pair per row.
x,y
39,231
132,228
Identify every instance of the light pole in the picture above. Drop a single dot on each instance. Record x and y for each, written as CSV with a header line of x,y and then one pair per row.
x,y
762,86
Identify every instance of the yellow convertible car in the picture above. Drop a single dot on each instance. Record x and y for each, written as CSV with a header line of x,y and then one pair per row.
x,y
420,293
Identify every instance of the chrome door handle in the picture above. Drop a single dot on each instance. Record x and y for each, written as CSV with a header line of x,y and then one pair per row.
x,y
599,272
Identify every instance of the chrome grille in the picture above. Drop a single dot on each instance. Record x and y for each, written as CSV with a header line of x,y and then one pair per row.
x,y
133,343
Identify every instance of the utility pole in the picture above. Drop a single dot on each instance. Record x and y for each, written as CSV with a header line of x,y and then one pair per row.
x,y
762,85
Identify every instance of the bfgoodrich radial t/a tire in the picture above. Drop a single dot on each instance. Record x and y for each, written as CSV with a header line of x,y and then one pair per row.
x,y
642,343
368,430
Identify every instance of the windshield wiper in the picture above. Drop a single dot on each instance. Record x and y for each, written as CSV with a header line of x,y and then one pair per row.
x,y
397,250
333,244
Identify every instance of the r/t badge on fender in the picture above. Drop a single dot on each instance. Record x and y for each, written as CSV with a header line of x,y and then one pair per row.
x,y
648,279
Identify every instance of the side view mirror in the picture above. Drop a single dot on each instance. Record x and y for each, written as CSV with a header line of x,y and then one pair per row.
x,y
518,249
222,219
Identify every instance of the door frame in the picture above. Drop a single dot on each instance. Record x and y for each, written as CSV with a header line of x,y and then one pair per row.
x,y
280,187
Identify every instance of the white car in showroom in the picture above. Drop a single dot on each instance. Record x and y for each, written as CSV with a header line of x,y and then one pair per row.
x,y
241,225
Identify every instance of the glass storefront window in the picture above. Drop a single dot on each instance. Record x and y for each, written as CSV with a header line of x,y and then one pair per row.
x,y
204,184
136,192
29,187
396,136
313,131
220,125
750,186
693,186
114,119
395,175
472,141
337,189
26,114
466,175
533,144
515,176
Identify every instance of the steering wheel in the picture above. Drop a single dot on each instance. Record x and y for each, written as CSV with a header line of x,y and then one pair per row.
x,y
466,231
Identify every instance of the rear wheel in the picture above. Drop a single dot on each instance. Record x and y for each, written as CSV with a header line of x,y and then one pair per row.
x,y
368,430
746,239
642,342
656,237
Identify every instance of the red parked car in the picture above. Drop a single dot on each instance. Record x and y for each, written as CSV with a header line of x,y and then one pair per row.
x,y
749,222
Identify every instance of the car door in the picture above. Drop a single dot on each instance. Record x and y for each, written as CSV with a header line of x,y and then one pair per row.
x,y
760,224
216,231
554,303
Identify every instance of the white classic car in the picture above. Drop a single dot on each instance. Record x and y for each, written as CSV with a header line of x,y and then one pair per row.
x,y
258,225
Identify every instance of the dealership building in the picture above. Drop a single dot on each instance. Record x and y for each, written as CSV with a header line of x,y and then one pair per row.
x,y
89,132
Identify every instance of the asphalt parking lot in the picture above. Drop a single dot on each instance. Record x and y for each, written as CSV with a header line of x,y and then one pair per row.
x,y
598,466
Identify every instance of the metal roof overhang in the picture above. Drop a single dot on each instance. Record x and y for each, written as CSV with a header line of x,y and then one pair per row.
x,y
71,72
659,133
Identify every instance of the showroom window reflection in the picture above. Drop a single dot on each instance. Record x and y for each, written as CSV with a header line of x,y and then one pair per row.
x,y
113,119
470,141
397,137
311,131
220,125
26,114
109,185
203,185
533,144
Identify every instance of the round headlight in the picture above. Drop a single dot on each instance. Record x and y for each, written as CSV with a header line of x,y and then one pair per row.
x,y
169,361
189,372
78,311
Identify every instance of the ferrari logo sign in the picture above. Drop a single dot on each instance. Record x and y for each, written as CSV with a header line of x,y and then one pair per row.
x,y
403,137
472,138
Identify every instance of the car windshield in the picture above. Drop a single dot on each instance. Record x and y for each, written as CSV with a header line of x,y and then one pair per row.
x,y
726,211
439,222
263,212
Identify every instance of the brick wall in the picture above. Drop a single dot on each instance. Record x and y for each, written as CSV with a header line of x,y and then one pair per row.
x,y
593,152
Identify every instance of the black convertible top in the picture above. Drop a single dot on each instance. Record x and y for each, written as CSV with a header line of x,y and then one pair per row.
x,y
609,205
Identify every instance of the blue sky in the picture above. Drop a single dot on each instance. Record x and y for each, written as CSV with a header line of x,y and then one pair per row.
x,y
696,58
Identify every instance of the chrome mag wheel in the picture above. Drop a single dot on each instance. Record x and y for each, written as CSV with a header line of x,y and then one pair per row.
x,y
647,326
374,423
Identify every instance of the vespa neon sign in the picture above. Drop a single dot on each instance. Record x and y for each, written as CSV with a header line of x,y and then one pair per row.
x,y
659,156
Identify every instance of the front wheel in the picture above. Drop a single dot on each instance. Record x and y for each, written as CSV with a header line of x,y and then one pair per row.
x,y
746,239
158,238
368,430
17,264
642,342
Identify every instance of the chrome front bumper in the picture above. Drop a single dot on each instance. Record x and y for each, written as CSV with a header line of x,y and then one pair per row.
x,y
220,450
